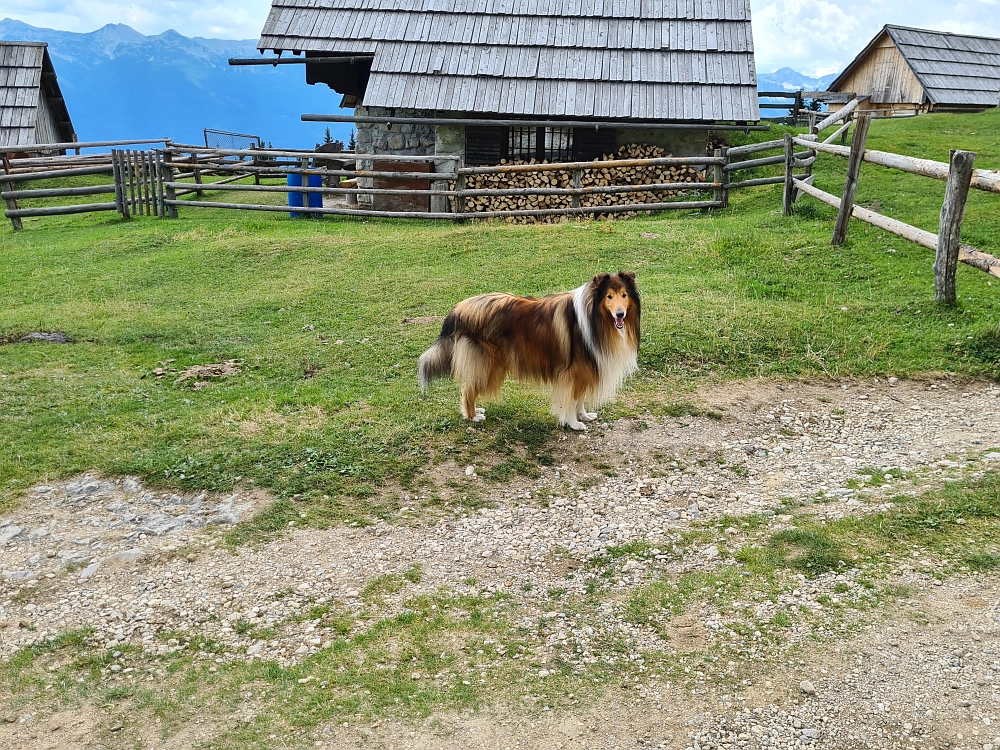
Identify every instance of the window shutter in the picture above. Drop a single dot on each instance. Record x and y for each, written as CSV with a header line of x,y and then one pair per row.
x,y
484,146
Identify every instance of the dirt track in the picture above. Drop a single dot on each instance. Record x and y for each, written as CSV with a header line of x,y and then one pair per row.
x,y
108,553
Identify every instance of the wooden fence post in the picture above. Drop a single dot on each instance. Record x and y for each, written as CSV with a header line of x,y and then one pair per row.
x,y
116,172
851,184
158,172
721,176
459,186
15,221
577,184
789,173
168,179
950,228
197,173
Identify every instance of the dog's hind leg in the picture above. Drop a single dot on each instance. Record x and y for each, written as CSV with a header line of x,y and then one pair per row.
x,y
477,372
469,408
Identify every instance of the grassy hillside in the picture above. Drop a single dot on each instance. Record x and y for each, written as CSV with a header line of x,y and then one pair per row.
x,y
326,405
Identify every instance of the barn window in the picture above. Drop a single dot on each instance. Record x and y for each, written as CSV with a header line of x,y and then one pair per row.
x,y
486,146
543,144
522,143
559,144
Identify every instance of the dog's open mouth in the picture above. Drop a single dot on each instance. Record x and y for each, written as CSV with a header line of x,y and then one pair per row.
x,y
619,323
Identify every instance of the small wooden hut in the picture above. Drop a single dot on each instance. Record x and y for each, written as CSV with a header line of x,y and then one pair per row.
x,y
32,108
911,71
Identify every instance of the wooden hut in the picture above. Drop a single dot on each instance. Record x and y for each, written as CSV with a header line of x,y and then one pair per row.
x,y
584,76
32,108
910,71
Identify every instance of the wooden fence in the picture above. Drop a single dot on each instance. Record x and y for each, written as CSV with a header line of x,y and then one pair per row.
x,y
959,175
447,183
736,157
18,173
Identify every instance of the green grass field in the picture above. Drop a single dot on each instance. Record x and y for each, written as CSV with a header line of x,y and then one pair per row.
x,y
326,406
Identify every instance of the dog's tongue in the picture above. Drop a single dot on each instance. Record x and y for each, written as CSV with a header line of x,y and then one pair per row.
x,y
619,323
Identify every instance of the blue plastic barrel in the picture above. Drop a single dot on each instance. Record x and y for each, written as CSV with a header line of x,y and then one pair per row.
x,y
295,199
315,199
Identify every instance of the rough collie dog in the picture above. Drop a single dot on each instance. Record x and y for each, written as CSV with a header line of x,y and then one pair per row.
x,y
583,343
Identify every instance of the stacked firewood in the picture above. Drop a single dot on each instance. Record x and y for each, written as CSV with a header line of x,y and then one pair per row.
x,y
603,177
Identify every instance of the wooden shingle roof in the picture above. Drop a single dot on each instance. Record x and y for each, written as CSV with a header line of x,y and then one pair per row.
x,y
954,69
26,74
623,59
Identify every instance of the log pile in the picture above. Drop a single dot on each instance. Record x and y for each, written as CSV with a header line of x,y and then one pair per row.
x,y
603,177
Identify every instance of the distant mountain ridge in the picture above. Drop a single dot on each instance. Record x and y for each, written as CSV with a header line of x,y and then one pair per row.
x,y
120,84
786,79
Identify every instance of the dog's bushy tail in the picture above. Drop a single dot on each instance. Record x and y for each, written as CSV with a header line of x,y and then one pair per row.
x,y
436,362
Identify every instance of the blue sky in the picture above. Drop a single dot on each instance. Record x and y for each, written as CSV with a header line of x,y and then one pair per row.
x,y
813,36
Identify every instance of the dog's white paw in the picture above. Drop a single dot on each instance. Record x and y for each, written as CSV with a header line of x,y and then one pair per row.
x,y
480,410
587,416
480,416
576,425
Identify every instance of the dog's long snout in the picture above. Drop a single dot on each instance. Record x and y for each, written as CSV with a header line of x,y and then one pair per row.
x,y
620,313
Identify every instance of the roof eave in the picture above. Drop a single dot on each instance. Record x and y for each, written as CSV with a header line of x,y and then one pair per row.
x,y
60,111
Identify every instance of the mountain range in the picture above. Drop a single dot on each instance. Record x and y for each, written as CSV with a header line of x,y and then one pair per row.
x,y
120,84
786,79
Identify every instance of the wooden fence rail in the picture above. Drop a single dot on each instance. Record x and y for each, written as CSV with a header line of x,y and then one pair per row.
x,y
77,145
967,254
464,193
982,179
960,177
569,211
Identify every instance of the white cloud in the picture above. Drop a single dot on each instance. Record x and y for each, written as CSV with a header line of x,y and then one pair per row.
x,y
798,30
821,36
208,18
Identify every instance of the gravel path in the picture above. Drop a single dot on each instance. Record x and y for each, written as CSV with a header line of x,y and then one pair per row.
x,y
133,563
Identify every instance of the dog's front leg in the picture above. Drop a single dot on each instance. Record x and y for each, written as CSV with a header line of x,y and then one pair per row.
x,y
582,414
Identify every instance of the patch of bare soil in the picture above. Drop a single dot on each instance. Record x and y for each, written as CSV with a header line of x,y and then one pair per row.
x,y
214,370
64,730
46,337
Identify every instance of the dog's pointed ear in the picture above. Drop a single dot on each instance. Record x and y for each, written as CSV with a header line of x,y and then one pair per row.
x,y
601,278
630,275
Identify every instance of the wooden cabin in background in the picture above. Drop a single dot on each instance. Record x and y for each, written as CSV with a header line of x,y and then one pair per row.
x,y
912,71
32,108
622,65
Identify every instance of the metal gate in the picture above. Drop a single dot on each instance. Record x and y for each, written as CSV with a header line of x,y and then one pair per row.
x,y
139,187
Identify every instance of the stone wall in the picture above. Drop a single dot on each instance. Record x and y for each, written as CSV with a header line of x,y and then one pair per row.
x,y
412,140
